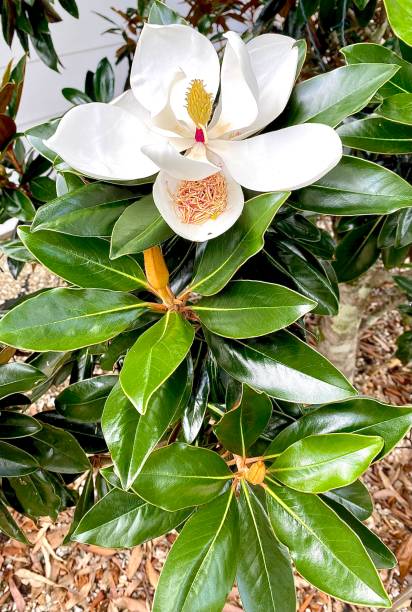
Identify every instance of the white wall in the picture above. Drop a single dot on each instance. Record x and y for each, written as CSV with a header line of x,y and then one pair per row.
x,y
80,45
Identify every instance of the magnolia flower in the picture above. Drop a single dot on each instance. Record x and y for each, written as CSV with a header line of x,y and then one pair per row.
x,y
173,122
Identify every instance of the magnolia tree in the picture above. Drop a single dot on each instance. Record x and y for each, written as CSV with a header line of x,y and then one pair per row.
x,y
182,210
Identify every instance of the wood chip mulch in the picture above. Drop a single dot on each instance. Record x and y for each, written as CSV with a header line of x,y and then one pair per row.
x,y
49,577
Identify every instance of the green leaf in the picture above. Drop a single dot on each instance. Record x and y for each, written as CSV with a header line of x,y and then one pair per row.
x,y
325,461
90,210
224,255
124,520
377,135
36,494
130,436
84,400
8,525
381,556
311,277
160,14
43,188
329,98
155,356
14,461
358,415
201,566
17,425
243,424
397,108
400,17
37,136
71,7
86,501
355,498
282,366
18,377
324,549
179,476
356,187
139,227
264,573
76,96
73,318
19,205
57,450
358,251
360,53
103,81
195,410
246,309
85,263
87,434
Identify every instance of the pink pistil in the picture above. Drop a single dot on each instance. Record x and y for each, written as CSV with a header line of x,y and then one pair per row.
x,y
199,135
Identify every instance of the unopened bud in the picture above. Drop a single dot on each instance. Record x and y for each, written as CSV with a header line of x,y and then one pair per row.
x,y
256,473
155,267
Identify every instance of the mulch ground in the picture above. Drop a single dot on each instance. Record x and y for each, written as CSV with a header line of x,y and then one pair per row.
x,y
51,577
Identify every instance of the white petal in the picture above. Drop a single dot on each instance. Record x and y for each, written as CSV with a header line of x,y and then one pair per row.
x,y
104,141
127,101
237,106
274,60
290,158
165,185
164,52
192,167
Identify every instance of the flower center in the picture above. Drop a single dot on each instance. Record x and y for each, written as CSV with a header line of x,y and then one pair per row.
x,y
199,106
199,201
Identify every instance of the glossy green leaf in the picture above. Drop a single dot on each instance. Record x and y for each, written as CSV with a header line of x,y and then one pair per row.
x,y
360,415
224,255
360,53
377,135
103,81
76,96
355,498
65,319
124,520
201,566
160,14
139,227
130,436
246,309
324,549
155,356
86,501
358,251
326,461
400,17
329,98
356,187
84,400
310,277
43,188
380,554
17,425
36,494
17,377
264,573
57,450
14,461
37,136
397,107
90,210
8,525
83,262
88,435
195,410
243,424
282,366
179,476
